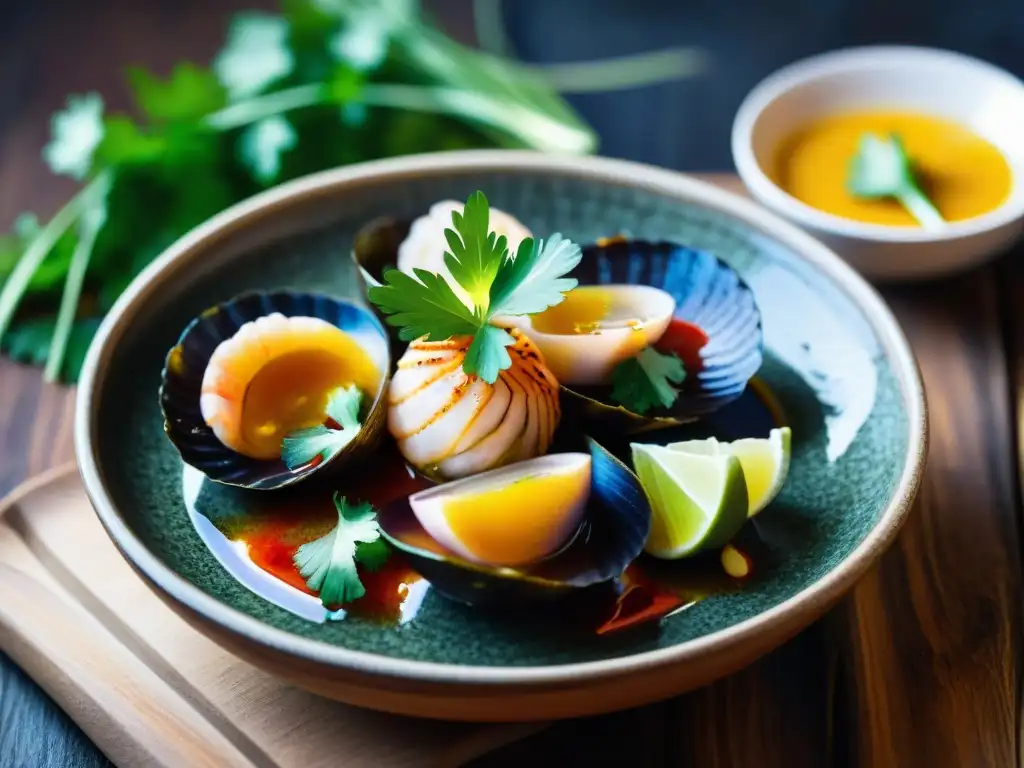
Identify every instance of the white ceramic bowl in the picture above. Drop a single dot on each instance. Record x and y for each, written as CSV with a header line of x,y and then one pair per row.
x,y
983,98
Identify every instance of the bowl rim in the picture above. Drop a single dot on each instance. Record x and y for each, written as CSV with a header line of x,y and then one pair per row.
x,y
864,58
791,614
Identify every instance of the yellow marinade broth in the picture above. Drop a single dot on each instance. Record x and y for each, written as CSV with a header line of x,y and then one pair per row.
x,y
963,174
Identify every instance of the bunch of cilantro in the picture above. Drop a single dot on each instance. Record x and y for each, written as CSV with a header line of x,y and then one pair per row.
x,y
324,83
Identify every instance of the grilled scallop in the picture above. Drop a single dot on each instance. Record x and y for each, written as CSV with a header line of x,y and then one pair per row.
x,y
451,425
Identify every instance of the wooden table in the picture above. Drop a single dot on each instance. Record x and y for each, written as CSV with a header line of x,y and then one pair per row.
x,y
919,666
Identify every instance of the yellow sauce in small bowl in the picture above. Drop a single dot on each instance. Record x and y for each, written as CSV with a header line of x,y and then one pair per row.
x,y
963,174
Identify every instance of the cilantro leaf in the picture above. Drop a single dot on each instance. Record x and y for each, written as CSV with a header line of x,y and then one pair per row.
x,y
328,564
77,132
256,54
372,554
476,253
261,145
125,143
424,307
487,356
188,94
881,169
363,42
343,407
303,445
308,21
497,283
26,226
642,382
533,280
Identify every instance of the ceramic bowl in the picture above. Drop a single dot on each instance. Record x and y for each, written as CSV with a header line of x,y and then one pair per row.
x,y
985,99
846,384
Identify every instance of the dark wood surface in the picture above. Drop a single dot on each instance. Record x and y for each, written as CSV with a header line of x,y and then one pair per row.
x,y
919,666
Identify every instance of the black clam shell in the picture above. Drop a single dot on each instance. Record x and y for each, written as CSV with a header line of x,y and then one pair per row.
x,y
615,527
182,377
709,294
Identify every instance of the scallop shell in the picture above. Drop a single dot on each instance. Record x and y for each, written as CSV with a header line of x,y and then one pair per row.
x,y
186,363
711,296
615,526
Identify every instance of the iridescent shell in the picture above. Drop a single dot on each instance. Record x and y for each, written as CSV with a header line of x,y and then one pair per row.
x,y
615,525
183,401
719,338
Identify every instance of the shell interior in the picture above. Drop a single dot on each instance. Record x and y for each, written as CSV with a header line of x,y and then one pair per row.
x,y
375,247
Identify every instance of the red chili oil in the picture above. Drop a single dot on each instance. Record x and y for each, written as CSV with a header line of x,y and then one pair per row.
x,y
648,591
686,340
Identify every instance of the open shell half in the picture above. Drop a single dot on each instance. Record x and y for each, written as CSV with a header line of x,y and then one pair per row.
x,y
245,370
615,524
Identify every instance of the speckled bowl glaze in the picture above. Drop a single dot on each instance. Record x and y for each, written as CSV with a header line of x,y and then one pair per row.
x,y
838,367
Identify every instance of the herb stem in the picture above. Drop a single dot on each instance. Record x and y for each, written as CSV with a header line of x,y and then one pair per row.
x,y
89,225
255,109
35,254
622,72
527,125
920,207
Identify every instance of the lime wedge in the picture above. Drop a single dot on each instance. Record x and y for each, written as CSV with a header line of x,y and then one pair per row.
x,y
697,501
765,462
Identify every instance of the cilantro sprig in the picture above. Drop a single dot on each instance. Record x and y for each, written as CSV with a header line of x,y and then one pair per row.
x,y
645,381
328,564
881,169
500,284
304,445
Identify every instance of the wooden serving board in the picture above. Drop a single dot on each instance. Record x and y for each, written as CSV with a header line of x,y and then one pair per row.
x,y
152,691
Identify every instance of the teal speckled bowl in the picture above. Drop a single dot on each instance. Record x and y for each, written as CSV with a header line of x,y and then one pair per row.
x,y
835,359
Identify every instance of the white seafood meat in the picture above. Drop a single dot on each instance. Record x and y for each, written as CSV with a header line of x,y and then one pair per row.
x,y
452,425
597,327
511,516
